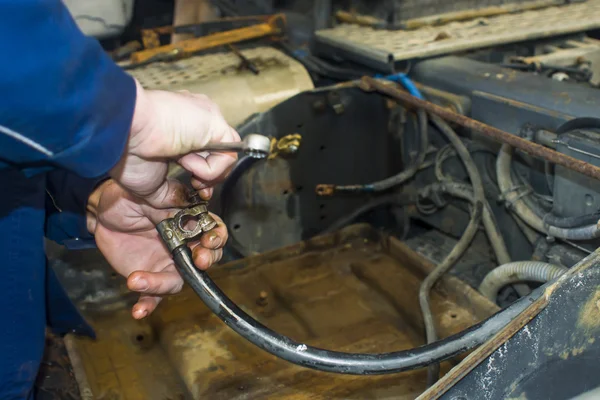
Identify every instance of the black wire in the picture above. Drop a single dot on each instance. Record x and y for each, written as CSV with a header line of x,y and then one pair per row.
x,y
332,361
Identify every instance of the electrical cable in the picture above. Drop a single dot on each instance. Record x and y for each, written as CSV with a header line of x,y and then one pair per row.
x,y
401,177
360,364
531,215
331,361
490,224
461,246
572,222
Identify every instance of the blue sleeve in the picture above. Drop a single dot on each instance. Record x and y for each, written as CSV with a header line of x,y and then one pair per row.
x,y
64,103
66,200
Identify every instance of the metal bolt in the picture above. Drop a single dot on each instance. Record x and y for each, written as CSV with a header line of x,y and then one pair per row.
x,y
169,234
262,298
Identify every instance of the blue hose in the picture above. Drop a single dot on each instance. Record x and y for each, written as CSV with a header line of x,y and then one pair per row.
x,y
405,81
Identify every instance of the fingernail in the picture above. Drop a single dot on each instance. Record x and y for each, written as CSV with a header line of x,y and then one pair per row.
x,y
140,284
205,194
139,314
214,240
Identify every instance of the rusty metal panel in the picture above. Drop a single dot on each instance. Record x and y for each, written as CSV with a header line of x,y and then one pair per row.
x,y
355,290
383,47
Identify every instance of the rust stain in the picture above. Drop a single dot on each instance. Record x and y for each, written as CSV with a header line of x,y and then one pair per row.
x,y
589,315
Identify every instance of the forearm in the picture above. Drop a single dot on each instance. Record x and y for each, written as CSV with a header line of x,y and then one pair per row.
x,y
64,102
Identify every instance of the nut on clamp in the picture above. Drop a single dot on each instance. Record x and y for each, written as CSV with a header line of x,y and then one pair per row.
x,y
173,231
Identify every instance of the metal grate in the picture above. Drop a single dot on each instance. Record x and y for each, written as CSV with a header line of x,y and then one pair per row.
x,y
207,67
238,92
383,47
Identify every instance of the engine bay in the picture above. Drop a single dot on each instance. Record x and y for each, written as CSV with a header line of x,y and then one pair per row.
x,y
381,226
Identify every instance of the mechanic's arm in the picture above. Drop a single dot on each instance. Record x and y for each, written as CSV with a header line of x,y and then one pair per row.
x,y
64,102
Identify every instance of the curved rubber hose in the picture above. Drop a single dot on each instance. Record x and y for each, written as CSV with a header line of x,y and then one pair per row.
x,y
461,246
492,231
510,195
513,198
332,361
572,222
519,271
405,175
583,233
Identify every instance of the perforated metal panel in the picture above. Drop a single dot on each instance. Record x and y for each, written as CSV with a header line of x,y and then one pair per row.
x,y
384,47
209,67
238,92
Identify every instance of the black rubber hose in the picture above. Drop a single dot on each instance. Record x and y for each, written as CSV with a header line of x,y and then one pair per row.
x,y
332,361
463,243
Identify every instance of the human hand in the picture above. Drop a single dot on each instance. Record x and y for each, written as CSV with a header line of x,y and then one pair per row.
x,y
173,126
124,228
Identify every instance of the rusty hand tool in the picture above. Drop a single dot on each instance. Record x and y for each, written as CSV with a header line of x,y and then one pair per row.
x,y
274,25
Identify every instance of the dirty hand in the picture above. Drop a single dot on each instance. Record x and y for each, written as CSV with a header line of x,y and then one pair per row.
x,y
124,228
173,126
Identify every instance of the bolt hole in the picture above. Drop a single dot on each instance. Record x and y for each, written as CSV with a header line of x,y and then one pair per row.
x,y
285,192
321,206
236,227
189,222
139,338
299,126
453,315
322,148
299,188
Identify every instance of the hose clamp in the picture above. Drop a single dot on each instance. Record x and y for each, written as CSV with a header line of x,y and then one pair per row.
x,y
509,204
